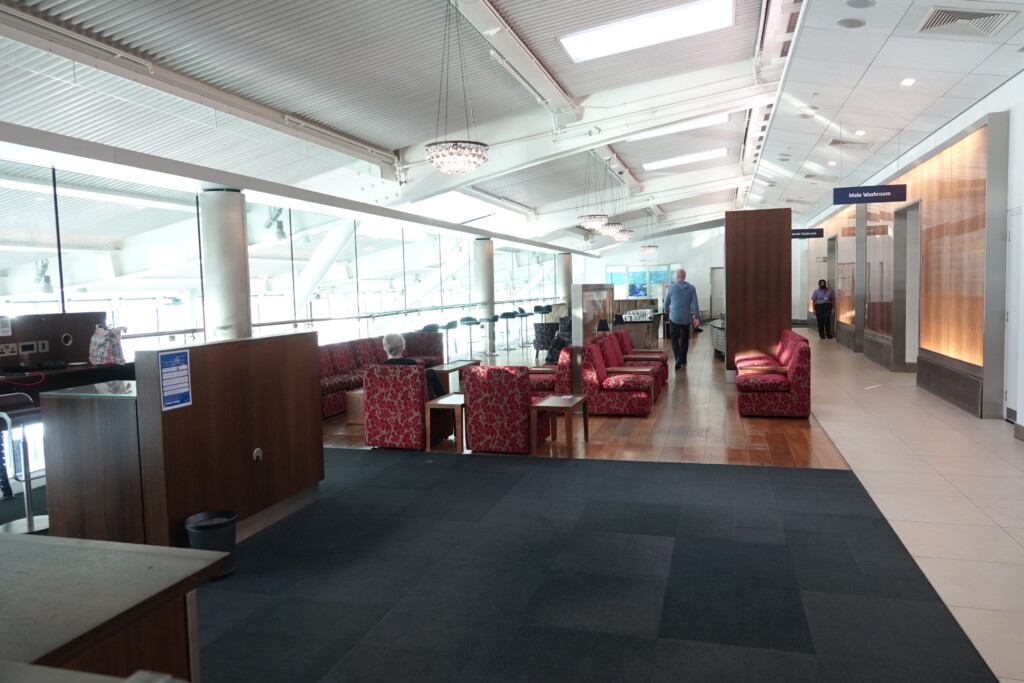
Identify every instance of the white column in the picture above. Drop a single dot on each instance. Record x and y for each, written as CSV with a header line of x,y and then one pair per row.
x,y
564,280
483,285
225,265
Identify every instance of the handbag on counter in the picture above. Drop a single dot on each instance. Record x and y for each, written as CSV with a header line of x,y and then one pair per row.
x,y
105,346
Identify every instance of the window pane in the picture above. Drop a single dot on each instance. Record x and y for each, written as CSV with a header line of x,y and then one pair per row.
x,y
28,241
271,275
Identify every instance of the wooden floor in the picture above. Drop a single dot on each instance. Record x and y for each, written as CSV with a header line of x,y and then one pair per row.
x,y
694,420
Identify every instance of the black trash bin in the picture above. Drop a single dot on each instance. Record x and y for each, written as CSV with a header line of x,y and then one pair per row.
x,y
213,530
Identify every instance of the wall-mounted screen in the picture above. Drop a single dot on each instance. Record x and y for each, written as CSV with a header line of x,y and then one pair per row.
x,y
638,290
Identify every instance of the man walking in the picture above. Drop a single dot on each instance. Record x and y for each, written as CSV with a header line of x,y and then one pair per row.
x,y
680,300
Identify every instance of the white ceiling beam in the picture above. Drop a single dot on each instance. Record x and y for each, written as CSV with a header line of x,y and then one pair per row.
x,y
511,52
520,142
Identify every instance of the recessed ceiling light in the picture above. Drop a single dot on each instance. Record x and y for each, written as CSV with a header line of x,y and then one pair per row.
x,y
649,29
860,133
860,4
907,82
831,163
687,159
850,22
690,124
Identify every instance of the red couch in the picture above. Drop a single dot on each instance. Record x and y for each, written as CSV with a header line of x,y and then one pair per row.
x,y
779,385
342,364
614,394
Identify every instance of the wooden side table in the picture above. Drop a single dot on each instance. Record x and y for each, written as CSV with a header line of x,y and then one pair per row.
x,y
559,405
355,402
444,371
453,402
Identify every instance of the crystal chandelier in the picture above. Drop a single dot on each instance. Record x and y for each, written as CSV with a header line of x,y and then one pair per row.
x,y
623,235
649,248
610,229
591,218
454,157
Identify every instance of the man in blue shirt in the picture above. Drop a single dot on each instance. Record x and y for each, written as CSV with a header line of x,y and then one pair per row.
x,y
823,298
680,300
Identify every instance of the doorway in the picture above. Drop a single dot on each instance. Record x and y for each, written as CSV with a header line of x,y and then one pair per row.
x,y
906,287
717,304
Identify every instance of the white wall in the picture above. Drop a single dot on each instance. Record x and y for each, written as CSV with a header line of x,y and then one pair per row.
x,y
698,252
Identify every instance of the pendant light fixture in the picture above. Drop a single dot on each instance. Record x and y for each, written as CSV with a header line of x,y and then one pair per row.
x,y
650,247
591,217
454,157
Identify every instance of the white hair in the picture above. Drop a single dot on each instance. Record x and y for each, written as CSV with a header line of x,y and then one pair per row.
x,y
394,344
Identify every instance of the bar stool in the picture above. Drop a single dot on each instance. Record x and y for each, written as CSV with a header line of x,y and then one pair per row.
x,y
470,321
18,411
450,325
488,321
432,327
506,316
523,315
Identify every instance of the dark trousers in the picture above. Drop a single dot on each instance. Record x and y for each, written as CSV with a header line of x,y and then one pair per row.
x,y
823,312
680,336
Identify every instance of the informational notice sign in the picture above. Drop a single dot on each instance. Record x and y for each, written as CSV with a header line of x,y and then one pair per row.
x,y
869,194
809,232
175,380
5,326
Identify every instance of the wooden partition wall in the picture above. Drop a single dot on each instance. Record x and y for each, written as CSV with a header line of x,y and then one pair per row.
x,y
758,280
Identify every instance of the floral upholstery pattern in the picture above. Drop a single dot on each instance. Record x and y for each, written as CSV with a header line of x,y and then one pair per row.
x,y
332,404
426,347
609,401
612,356
565,326
543,335
755,362
751,383
627,349
761,394
563,372
344,357
393,410
542,384
498,409
369,351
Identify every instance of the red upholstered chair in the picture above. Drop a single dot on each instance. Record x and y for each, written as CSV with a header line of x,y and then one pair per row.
x,y
393,408
614,394
613,358
779,395
542,383
497,410
628,350
563,371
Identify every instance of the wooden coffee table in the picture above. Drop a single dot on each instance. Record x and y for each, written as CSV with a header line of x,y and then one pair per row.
x,y
453,402
444,371
563,405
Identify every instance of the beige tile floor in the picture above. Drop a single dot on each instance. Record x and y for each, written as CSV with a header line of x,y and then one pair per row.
x,y
951,485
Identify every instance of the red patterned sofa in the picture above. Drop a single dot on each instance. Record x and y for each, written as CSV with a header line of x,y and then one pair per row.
x,y
394,412
342,364
629,353
498,400
612,356
613,394
779,385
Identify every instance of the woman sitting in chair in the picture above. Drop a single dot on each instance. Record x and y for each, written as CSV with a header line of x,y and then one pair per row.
x,y
394,346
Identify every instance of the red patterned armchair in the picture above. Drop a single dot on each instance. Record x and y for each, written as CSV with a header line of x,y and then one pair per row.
x,y
777,386
628,351
498,403
614,394
393,410
613,358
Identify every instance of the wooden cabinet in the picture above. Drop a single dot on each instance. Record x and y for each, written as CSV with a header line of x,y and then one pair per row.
x,y
121,468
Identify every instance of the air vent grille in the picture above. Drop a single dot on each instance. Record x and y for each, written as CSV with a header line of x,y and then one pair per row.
x,y
791,24
785,48
958,22
822,178
848,144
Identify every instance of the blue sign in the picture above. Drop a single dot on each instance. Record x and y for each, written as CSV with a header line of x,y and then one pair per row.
x,y
616,277
638,277
869,194
811,232
175,380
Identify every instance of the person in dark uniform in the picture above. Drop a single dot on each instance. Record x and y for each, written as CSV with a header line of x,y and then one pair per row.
x,y
823,297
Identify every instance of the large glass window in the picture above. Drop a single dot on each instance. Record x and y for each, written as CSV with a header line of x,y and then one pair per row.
x,y
456,271
30,281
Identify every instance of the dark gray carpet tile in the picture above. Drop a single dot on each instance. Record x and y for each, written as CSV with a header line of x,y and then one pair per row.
x,y
595,602
360,500
510,544
327,620
511,464
861,533
898,565
718,561
442,505
352,467
540,513
471,589
264,574
819,501
680,660
634,555
235,673
817,539
410,647
292,658
734,614
211,632
633,490
746,525
419,471
421,537
556,486
226,608
812,558
846,583
837,670
536,654
630,518
729,494
906,632
366,579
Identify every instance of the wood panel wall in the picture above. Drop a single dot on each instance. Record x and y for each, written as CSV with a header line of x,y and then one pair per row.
x,y
758,280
